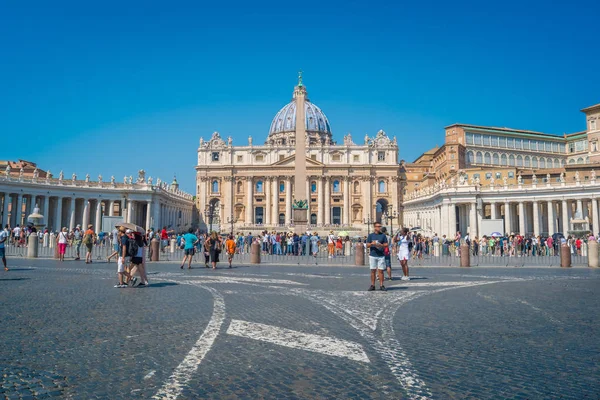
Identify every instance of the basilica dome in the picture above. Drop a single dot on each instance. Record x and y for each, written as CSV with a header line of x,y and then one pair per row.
x,y
283,127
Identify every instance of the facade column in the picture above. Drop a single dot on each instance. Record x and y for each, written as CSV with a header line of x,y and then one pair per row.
x,y
473,220
522,227
58,220
249,202
595,222
346,214
19,210
275,201
46,212
28,207
72,214
288,200
130,216
536,219
111,208
5,220
507,218
327,201
268,205
579,211
98,225
565,217
320,199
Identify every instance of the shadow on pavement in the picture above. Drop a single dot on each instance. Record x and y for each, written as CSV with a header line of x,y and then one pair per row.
x,y
163,284
14,279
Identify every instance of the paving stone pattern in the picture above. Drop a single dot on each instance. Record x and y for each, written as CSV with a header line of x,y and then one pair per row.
x,y
450,333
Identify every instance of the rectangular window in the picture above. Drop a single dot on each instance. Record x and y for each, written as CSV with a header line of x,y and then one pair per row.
x,y
503,141
563,148
313,157
281,157
511,143
571,147
548,146
215,156
592,125
488,175
469,138
555,147
486,140
498,175
477,139
337,157
356,158
381,156
495,140
518,144
526,144
511,174
240,158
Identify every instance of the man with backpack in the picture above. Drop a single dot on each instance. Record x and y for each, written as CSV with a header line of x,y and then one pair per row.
x,y
135,251
88,241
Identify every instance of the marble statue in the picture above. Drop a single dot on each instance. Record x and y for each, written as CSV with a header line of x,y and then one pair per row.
x,y
73,178
149,180
125,180
36,175
461,179
577,176
249,140
505,181
21,174
61,176
141,176
158,181
112,180
201,142
548,178
492,181
99,180
593,174
519,179
562,177
229,141
87,178
453,181
7,171
48,176
130,180
534,179
477,181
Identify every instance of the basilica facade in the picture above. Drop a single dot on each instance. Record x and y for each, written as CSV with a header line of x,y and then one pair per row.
x,y
251,187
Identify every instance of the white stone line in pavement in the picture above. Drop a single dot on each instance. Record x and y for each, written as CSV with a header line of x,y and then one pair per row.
x,y
229,279
330,346
183,372
498,300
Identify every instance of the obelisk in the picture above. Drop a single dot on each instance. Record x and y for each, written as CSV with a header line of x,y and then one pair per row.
x,y
301,203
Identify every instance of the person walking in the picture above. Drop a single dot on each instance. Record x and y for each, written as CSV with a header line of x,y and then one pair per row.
x,y
88,241
3,238
387,254
331,244
230,248
214,245
115,243
62,239
77,237
190,241
376,243
404,253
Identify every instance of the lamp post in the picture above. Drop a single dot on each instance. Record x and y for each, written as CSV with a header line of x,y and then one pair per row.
x,y
368,221
209,213
389,216
231,220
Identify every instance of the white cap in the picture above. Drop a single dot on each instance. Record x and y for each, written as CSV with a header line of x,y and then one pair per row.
x,y
128,231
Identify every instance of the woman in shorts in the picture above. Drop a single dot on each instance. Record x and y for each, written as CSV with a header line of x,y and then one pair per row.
x,y
404,253
387,255
62,239
214,245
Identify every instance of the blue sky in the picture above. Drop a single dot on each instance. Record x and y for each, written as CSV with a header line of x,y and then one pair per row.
x,y
120,86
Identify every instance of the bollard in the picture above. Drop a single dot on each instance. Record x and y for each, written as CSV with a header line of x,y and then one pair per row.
x,y
155,247
436,249
255,253
173,243
32,245
359,257
593,261
46,239
565,256
465,255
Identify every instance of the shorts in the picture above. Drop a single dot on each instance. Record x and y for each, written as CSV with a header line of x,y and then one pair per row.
x,y
388,261
190,252
230,255
62,248
137,260
116,247
376,263
89,247
120,265
2,252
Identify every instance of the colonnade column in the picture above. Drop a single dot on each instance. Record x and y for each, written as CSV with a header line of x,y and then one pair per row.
x,y
72,214
346,200
551,221
320,197
98,225
111,208
275,201
28,207
595,222
19,210
5,220
249,202
579,211
86,214
507,218
268,208
148,215
327,201
473,220
536,219
451,219
130,211
288,200
565,217
493,211
522,228
58,221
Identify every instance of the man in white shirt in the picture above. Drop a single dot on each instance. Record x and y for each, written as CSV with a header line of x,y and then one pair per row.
x,y
3,238
17,233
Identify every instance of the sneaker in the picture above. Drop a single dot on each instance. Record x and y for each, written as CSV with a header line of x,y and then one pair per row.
x,y
142,285
132,282
136,282
371,288
382,288
118,285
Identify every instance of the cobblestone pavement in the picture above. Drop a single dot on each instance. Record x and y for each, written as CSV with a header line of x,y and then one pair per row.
x,y
298,332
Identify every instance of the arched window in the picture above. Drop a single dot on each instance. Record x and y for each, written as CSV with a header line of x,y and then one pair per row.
x,y
281,187
495,159
580,160
534,162
479,158
542,162
470,157
587,160
356,187
511,160
551,163
527,161
487,158
557,163
215,187
519,161
259,187
503,160
381,187
336,186
572,161
313,187
240,187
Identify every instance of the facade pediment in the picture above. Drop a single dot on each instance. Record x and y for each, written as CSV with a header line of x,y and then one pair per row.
x,y
289,162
